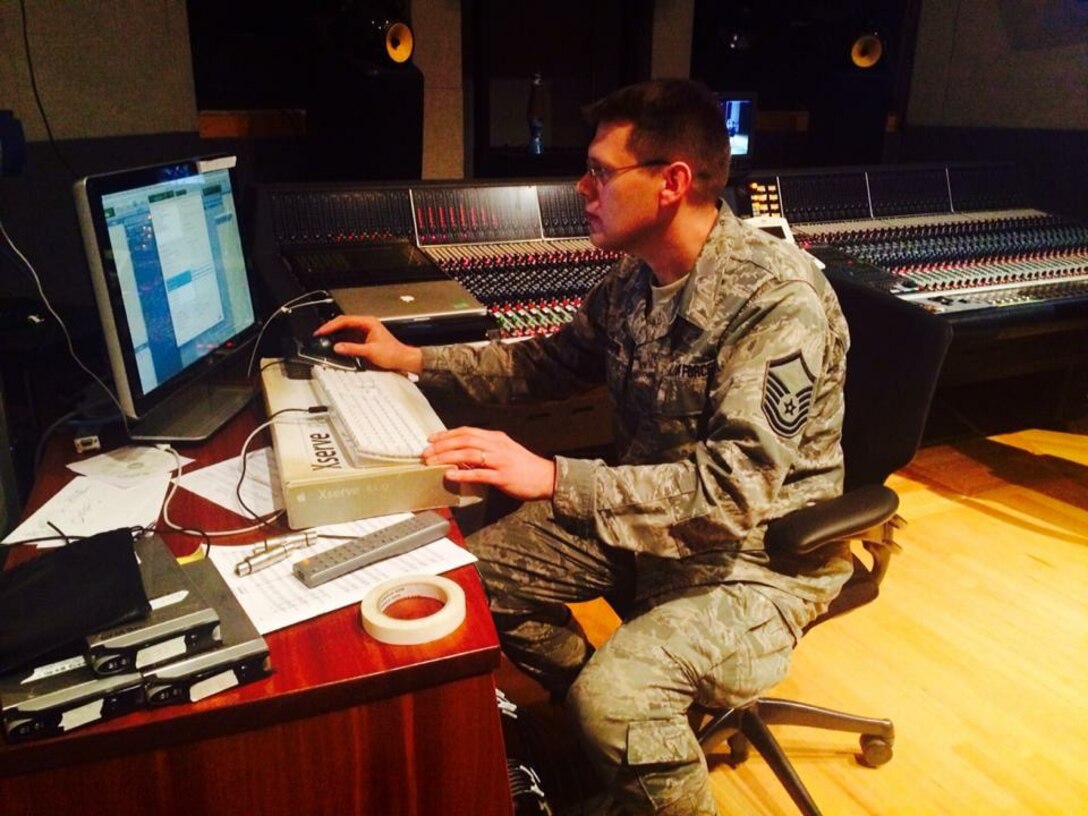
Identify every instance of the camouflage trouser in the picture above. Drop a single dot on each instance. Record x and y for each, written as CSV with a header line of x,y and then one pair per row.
x,y
717,645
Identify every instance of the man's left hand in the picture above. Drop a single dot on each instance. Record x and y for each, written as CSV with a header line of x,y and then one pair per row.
x,y
492,458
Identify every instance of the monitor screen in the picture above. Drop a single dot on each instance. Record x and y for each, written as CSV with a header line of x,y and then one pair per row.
x,y
170,279
738,114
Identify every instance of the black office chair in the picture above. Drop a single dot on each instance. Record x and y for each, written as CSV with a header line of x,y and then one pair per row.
x,y
895,357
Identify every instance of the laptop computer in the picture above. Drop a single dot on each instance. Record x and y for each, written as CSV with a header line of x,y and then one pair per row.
x,y
395,282
399,302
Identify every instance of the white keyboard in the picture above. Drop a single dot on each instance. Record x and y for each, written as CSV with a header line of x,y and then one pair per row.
x,y
381,417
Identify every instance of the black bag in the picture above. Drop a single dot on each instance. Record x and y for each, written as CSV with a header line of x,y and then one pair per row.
x,y
65,594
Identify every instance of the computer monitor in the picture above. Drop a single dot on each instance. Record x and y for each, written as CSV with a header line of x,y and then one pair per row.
x,y
173,293
739,116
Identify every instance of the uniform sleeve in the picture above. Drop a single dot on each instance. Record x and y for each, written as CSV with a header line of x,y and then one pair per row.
x,y
555,367
766,390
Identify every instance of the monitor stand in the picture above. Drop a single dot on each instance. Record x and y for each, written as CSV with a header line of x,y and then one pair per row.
x,y
192,415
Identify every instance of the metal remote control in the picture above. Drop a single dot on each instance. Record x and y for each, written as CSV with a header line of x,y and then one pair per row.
x,y
396,539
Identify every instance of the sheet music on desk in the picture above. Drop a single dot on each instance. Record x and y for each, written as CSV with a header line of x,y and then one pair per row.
x,y
274,598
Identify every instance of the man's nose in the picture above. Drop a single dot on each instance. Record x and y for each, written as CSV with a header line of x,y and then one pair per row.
x,y
584,186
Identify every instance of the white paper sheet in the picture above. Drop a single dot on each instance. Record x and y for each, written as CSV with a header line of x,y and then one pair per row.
x,y
274,598
125,467
84,507
217,483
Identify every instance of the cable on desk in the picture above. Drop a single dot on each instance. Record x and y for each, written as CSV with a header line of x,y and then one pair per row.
x,y
323,296
316,409
186,529
61,536
261,522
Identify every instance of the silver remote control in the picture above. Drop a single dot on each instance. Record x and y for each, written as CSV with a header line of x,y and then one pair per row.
x,y
395,539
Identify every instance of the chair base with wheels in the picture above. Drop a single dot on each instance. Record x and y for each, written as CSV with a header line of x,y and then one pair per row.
x,y
748,725
867,515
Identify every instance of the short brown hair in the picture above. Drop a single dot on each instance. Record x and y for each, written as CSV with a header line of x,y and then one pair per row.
x,y
672,119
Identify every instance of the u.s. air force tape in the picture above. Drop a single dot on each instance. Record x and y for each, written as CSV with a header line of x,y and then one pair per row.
x,y
409,631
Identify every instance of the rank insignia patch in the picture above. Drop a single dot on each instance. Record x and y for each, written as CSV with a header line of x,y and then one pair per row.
x,y
787,394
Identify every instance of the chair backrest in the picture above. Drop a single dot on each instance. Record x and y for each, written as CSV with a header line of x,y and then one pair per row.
x,y
896,353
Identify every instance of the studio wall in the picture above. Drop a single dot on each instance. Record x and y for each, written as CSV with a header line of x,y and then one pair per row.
x,y
104,68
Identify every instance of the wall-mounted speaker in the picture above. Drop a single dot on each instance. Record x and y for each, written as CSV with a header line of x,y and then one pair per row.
x,y
365,109
867,50
372,30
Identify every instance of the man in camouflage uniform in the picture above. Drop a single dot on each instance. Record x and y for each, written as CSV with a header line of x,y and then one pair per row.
x,y
723,351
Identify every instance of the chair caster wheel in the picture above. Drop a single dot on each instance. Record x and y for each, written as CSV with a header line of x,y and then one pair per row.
x,y
738,749
875,751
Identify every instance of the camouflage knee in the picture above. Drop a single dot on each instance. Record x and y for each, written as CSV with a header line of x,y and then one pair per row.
x,y
650,765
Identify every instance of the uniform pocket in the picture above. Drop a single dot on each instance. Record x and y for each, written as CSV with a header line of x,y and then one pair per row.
x,y
661,742
657,750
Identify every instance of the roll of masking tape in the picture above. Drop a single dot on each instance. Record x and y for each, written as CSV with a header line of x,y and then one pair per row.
x,y
410,631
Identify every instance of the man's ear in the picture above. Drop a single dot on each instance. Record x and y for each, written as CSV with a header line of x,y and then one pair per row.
x,y
678,178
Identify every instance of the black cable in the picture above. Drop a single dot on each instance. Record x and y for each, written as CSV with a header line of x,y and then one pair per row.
x,y
265,521
163,514
60,532
322,297
26,542
192,531
37,96
60,322
61,536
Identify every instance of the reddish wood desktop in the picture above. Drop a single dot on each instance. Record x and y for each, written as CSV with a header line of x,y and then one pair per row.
x,y
345,725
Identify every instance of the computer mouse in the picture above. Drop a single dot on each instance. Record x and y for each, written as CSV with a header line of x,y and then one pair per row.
x,y
319,349
321,344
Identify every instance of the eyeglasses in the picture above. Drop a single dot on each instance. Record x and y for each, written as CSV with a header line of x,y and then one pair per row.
x,y
602,175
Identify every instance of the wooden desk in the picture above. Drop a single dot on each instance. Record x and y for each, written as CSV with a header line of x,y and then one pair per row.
x,y
346,725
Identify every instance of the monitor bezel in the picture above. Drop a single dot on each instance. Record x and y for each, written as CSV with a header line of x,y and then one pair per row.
x,y
741,164
89,193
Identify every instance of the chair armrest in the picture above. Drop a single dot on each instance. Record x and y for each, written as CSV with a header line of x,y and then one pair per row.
x,y
847,516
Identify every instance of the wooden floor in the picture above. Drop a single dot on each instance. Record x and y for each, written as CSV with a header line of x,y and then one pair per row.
x,y
977,648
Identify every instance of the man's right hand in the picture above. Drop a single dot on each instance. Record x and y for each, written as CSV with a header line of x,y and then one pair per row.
x,y
366,338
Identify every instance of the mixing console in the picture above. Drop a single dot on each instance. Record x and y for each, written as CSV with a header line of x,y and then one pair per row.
x,y
520,249
955,240
956,263
952,239
935,236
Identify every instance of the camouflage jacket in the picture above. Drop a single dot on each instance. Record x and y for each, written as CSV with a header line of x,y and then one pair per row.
x,y
728,410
